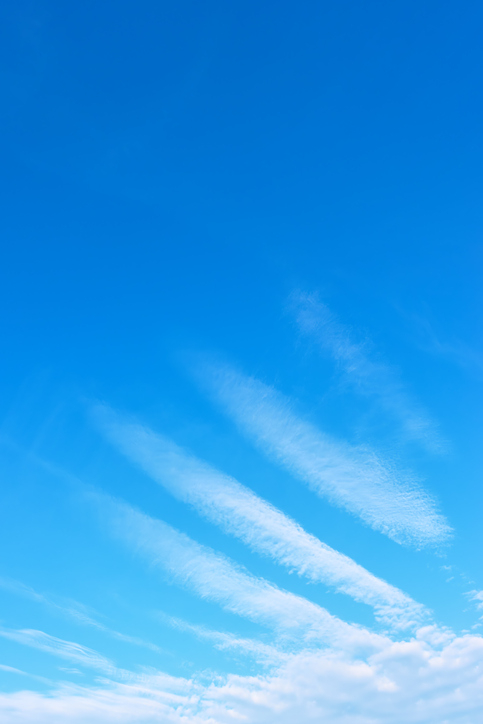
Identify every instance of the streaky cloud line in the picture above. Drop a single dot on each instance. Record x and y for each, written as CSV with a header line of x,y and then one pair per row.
x,y
214,577
263,653
68,650
265,529
367,377
477,598
414,681
351,477
72,610
88,658
20,672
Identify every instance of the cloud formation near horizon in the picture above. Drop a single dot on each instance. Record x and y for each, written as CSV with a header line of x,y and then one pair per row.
x,y
58,647
326,670
429,679
70,609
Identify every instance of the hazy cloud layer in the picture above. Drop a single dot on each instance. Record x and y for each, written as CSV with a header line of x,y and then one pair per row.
x,y
58,647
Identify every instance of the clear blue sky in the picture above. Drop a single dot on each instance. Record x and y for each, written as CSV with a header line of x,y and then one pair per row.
x,y
242,362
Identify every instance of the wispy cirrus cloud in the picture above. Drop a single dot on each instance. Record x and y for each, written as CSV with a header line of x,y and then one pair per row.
x,y
351,477
213,576
477,598
68,650
366,375
20,672
70,609
459,352
225,641
144,679
238,511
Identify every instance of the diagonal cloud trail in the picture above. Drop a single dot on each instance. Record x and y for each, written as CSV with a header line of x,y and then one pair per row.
x,y
353,478
238,511
71,609
367,377
263,653
58,647
215,577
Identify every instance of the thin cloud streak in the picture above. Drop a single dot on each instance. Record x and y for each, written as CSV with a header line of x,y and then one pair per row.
x,y
263,653
72,610
238,511
19,672
477,598
353,478
215,577
68,650
366,376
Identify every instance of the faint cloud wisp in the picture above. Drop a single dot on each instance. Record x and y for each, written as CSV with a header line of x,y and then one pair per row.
x,y
366,376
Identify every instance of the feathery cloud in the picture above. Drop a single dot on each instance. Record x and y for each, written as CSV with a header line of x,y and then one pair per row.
x,y
263,653
238,511
19,672
215,577
353,478
70,609
366,376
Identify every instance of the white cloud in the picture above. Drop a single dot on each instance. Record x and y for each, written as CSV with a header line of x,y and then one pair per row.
x,y
420,681
367,376
112,704
256,522
354,478
215,577
459,352
19,672
71,609
58,647
477,597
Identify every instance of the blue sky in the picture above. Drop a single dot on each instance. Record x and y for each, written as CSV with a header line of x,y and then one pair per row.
x,y
242,363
